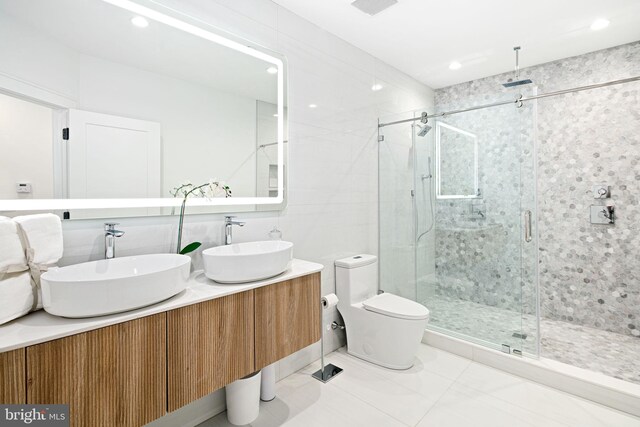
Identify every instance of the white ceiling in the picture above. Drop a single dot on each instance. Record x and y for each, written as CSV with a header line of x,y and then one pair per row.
x,y
422,37
99,29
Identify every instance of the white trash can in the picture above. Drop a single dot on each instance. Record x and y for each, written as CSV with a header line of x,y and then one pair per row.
x,y
243,399
268,383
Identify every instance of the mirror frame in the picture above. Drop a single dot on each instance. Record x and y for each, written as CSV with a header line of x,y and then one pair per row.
x,y
476,185
19,89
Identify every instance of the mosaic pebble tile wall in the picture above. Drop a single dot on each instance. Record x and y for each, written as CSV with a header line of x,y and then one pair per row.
x,y
589,274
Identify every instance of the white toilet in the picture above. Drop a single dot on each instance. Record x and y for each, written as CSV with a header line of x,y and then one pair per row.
x,y
383,329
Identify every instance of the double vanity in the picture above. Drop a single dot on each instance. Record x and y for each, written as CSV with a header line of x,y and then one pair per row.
x,y
130,368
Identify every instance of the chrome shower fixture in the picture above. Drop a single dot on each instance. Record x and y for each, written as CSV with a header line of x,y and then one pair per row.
x,y
423,130
424,119
517,81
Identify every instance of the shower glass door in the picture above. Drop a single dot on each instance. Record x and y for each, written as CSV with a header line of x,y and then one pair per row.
x,y
471,201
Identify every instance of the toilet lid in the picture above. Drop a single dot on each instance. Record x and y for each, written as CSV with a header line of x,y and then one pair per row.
x,y
395,306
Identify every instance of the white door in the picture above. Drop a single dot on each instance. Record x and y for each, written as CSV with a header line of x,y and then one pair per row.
x,y
112,157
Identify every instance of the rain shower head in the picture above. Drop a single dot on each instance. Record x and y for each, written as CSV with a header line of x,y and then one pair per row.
x,y
517,81
513,83
423,130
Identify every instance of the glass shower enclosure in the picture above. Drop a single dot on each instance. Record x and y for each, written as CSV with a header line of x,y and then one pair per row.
x,y
457,218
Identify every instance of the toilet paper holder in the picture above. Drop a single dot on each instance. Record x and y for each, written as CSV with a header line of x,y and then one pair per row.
x,y
326,373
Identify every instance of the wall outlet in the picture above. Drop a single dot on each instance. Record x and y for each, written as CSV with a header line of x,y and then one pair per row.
x,y
23,187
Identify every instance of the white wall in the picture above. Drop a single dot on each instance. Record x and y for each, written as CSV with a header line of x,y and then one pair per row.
x,y
332,209
26,140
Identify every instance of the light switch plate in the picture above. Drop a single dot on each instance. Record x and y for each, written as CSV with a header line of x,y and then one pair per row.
x,y
601,191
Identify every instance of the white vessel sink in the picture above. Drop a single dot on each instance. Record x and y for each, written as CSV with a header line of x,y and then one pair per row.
x,y
113,285
247,262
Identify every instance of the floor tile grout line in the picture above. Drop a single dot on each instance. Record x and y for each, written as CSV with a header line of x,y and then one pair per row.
x,y
522,381
453,381
442,395
368,404
369,365
384,379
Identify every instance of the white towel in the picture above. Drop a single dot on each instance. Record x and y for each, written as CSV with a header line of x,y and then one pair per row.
x,y
16,296
12,257
44,235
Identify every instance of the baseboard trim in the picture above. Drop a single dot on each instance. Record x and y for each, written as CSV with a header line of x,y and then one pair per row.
x,y
612,392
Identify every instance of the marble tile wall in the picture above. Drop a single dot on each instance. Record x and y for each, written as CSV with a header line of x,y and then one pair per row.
x,y
589,274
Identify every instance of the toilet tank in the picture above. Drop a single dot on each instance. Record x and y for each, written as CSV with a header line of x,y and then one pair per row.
x,y
356,278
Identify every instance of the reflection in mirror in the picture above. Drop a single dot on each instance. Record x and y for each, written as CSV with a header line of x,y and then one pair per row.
x,y
143,110
456,163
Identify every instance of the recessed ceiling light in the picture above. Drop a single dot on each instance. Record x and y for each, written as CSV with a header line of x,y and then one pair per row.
x,y
599,24
272,70
313,106
140,22
455,65
376,87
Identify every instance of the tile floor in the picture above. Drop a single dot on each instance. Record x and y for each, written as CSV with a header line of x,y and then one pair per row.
x,y
441,390
612,354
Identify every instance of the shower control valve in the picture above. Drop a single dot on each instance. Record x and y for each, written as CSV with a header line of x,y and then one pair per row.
x,y
601,191
602,215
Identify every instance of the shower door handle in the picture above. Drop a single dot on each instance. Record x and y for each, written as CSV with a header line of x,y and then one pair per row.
x,y
527,226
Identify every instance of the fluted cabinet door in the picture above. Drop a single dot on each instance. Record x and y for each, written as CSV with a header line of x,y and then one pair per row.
x,y
210,345
287,318
114,376
12,377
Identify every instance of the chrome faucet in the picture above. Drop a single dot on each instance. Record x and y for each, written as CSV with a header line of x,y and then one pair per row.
x,y
110,234
228,227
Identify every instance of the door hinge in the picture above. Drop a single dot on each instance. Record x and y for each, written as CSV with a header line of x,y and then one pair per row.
x,y
65,134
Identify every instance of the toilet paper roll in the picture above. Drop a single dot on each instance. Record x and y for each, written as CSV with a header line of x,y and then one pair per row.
x,y
329,300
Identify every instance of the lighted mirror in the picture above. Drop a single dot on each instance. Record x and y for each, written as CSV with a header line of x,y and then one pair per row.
x,y
456,163
108,106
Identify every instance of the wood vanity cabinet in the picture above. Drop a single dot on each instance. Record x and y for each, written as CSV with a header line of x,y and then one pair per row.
x,y
114,376
12,377
131,373
210,345
287,318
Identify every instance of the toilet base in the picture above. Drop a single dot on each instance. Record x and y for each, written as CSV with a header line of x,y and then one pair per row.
x,y
377,362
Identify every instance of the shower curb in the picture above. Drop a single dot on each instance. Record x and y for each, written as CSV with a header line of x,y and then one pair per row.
x,y
612,392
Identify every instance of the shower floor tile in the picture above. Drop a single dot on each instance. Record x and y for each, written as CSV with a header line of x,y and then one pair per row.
x,y
609,353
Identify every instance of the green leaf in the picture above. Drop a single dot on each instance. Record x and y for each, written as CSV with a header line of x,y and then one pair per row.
x,y
190,248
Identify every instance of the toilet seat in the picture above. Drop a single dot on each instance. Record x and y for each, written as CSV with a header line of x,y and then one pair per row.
x,y
395,306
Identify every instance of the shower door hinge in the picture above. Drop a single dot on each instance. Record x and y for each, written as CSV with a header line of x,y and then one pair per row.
x,y
380,138
506,348
65,134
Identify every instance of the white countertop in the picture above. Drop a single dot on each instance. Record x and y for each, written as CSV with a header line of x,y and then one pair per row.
x,y
40,326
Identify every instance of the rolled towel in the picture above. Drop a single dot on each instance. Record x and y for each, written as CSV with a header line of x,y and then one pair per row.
x,y
12,256
43,233
16,296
